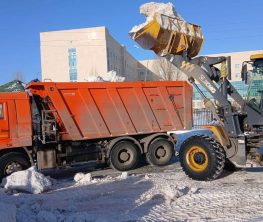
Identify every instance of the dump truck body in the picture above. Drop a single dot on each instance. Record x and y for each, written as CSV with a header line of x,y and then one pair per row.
x,y
103,110
59,124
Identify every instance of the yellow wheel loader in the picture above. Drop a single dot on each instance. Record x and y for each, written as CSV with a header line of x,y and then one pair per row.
x,y
239,131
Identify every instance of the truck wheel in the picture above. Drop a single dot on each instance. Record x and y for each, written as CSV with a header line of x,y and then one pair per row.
x,y
12,162
160,152
202,157
124,156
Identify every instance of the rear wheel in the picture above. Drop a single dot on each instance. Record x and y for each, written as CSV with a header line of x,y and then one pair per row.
x,y
202,157
124,156
160,152
12,162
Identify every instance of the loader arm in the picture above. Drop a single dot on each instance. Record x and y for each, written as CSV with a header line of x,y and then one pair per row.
x,y
180,42
241,128
202,70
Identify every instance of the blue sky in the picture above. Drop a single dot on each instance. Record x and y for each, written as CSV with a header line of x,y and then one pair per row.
x,y
227,26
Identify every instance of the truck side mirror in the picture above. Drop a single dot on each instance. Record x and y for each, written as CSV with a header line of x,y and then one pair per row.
x,y
244,73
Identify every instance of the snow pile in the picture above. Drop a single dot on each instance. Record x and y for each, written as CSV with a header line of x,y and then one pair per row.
x,y
111,76
124,175
152,9
163,12
164,190
95,79
146,177
29,181
83,178
171,194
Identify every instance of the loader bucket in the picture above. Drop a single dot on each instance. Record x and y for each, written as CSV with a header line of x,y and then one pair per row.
x,y
167,35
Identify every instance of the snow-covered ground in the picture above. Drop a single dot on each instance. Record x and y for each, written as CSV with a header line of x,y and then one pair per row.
x,y
146,194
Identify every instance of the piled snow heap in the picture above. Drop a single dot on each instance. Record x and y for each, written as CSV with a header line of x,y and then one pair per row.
x,y
111,76
29,181
82,178
162,12
151,9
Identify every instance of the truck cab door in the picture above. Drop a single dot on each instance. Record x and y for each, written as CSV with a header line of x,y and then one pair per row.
x,y
4,124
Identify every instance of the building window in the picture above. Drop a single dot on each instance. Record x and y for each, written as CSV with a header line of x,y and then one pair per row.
x,y
237,66
73,69
1,111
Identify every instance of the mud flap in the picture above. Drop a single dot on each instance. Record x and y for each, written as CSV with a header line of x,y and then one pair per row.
x,y
46,159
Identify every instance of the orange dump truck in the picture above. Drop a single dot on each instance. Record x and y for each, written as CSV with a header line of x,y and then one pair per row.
x,y
58,124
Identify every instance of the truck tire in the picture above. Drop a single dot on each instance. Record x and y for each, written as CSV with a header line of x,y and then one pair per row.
x,y
124,156
160,152
202,158
12,162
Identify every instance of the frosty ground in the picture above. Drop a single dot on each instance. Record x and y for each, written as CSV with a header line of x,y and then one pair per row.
x,y
147,194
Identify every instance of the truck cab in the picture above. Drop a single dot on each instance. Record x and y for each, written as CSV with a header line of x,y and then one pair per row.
x,y
15,131
15,120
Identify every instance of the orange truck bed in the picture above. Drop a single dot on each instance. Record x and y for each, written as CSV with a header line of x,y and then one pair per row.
x,y
105,109
58,124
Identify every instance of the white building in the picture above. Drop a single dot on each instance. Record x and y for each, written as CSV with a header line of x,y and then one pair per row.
x,y
73,55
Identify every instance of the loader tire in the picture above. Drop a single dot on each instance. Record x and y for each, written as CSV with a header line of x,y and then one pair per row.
x,y
12,162
160,152
124,156
230,167
202,158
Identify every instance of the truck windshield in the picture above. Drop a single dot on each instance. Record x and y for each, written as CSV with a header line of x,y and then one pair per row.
x,y
256,86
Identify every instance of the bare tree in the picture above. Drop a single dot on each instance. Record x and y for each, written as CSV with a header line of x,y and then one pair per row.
x,y
167,70
18,75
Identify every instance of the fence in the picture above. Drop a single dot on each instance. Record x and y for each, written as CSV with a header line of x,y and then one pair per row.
x,y
201,117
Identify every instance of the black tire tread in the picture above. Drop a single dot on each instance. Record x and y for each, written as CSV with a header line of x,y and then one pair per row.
x,y
149,154
123,168
220,158
19,157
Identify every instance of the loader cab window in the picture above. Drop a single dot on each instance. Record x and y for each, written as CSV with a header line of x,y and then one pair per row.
x,y
1,111
256,86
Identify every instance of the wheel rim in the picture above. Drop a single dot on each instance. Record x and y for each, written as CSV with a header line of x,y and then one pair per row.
x,y
125,156
160,152
13,167
197,158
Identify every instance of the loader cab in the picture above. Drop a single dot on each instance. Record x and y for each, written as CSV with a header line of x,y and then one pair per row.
x,y
255,90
